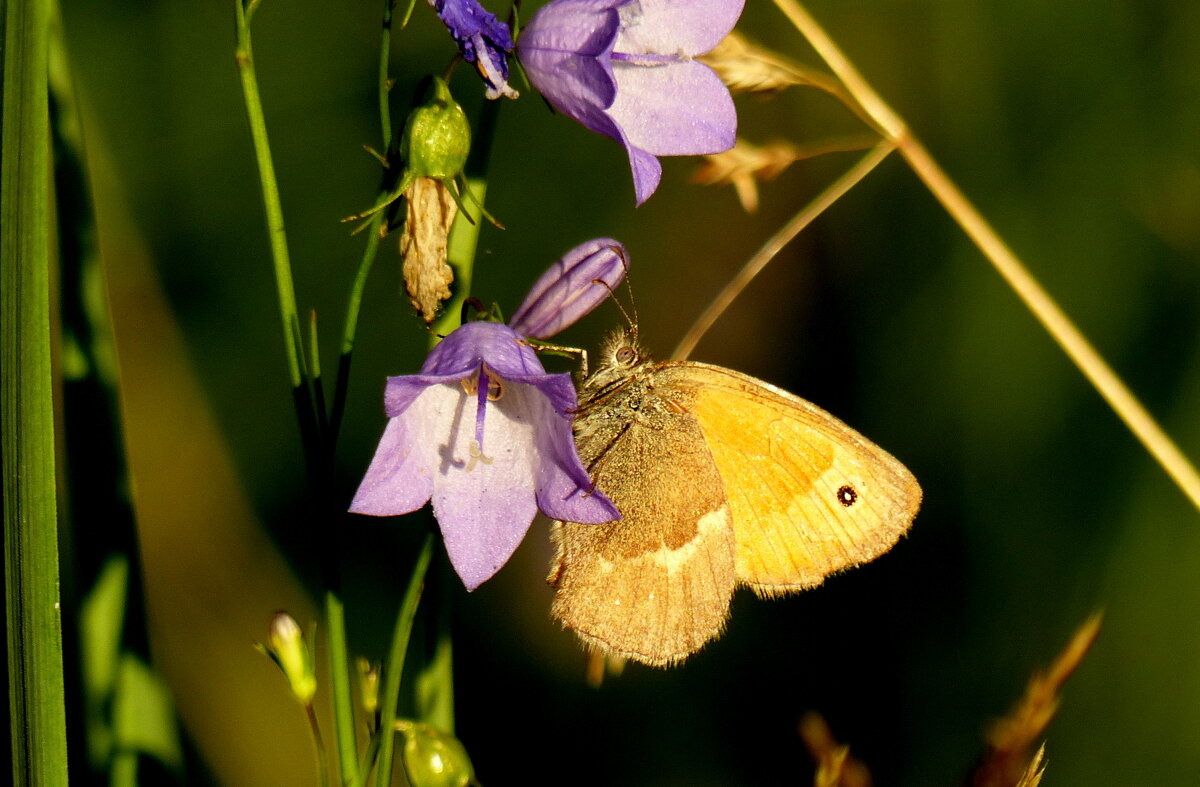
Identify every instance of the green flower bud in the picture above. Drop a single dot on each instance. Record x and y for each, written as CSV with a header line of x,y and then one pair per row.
x,y
437,136
433,758
289,650
368,685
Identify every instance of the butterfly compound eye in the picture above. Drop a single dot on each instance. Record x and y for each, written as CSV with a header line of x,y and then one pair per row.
x,y
625,355
847,496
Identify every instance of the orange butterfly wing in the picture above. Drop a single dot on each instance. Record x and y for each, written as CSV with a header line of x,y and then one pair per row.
x,y
807,494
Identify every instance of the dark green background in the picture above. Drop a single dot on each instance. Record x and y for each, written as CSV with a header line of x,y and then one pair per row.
x,y
1073,125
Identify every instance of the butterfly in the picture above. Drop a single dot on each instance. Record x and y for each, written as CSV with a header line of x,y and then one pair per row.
x,y
722,481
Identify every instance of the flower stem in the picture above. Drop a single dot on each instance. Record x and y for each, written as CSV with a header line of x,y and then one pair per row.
x,y
832,193
385,82
394,669
350,328
318,447
339,672
284,286
354,303
319,743
1002,258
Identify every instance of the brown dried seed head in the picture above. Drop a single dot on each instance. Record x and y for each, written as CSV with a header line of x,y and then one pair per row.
x,y
745,67
1010,740
743,165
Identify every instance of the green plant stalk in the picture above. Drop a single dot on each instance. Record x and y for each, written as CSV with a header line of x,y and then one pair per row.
x,y
394,669
435,684
354,303
339,661
319,744
270,189
34,626
316,447
339,672
350,328
385,82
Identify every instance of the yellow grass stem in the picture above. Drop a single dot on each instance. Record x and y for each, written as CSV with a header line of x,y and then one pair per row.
x,y
807,215
1031,293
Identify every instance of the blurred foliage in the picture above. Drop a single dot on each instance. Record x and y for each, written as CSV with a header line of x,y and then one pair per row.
x,y
1072,126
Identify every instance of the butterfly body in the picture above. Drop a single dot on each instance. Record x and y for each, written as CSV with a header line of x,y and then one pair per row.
x,y
721,480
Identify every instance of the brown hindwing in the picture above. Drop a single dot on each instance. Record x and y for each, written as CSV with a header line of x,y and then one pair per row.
x,y
654,586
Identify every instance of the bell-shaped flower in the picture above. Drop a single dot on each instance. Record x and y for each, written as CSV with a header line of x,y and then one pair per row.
x,y
483,40
627,69
485,432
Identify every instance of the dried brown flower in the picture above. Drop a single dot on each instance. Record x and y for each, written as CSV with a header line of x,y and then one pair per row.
x,y
429,213
744,165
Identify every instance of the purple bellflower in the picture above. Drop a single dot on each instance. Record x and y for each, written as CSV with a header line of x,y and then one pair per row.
x,y
626,69
485,432
483,40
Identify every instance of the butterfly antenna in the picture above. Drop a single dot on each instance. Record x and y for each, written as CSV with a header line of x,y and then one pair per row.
x,y
631,319
630,316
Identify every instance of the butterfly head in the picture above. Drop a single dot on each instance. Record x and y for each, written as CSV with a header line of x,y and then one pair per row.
x,y
621,357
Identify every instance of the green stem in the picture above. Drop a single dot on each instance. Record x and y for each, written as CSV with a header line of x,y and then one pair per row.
x,y
317,443
394,669
343,705
270,190
354,304
350,328
435,683
34,627
385,82
319,743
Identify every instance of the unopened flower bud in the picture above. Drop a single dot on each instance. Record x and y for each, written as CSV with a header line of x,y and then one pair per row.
x,y
368,685
437,135
571,288
433,758
289,650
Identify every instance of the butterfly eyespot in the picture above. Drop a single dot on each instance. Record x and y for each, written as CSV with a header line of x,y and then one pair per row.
x,y
847,496
625,355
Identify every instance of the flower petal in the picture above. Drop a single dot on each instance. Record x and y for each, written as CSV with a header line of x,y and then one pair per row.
x,y
680,109
564,49
482,39
460,354
571,288
647,172
670,27
564,490
484,501
400,478
582,27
